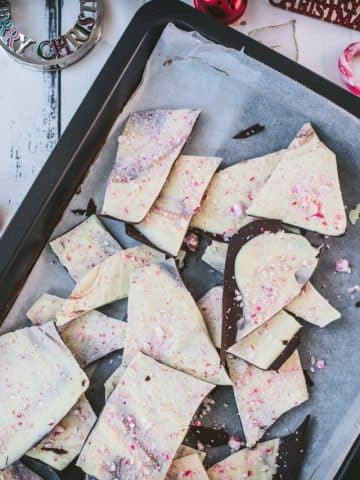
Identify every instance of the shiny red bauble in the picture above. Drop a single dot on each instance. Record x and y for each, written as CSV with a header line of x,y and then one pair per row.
x,y
229,11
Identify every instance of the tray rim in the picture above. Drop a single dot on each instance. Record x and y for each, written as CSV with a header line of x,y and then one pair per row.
x,y
26,235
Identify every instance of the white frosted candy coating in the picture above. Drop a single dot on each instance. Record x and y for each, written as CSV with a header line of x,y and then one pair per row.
x,y
304,191
312,307
107,282
63,444
143,422
83,247
89,337
230,193
210,306
40,382
265,344
263,396
167,222
92,336
149,145
189,467
45,308
215,255
270,271
256,464
113,380
165,323
184,451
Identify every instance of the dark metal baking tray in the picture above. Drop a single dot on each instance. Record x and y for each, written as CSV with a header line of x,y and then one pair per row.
x,y
32,225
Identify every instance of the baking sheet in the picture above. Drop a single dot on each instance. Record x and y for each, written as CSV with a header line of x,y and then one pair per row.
x,y
235,91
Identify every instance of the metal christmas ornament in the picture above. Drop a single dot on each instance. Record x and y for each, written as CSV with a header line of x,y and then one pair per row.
x,y
54,53
229,11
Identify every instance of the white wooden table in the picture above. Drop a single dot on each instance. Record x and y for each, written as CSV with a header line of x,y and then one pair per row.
x,y
36,107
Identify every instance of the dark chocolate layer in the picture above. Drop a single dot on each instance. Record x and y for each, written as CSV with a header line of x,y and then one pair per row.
x,y
232,309
291,453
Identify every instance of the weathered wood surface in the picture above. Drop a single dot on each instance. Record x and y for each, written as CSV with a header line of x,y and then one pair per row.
x,y
36,107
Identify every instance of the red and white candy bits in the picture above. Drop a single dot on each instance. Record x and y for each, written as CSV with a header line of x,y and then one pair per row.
x,y
346,68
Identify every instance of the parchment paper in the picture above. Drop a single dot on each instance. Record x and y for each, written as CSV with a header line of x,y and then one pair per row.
x,y
234,91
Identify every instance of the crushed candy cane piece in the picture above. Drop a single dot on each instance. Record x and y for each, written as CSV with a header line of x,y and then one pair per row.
x,y
235,443
320,364
345,66
342,266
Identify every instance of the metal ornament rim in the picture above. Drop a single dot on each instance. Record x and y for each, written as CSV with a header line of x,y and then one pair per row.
x,y
68,59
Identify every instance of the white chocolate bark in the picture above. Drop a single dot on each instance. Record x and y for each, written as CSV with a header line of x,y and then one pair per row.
x,y
148,147
312,307
210,306
184,451
187,468
231,192
263,396
304,191
93,336
265,344
45,308
143,422
270,270
251,464
83,247
107,282
165,323
89,337
18,471
166,224
40,382
112,382
215,255
63,444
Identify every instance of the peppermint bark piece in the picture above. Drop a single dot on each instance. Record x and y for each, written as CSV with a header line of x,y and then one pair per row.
x,y
107,282
266,268
280,458
112,382
184,451
165,323
45,308
254,464
263,396
143,422
18,471
38,369
83,247
231,191
215,255
148,147
210,306
270,345
93,336
89,337
166,224
312,307
304,190
63,444
189,468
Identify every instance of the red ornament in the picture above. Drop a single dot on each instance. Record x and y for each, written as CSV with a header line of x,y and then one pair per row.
x,y
229,11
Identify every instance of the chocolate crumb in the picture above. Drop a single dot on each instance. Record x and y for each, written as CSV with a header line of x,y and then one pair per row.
x,y
248,132
357,304
147,378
